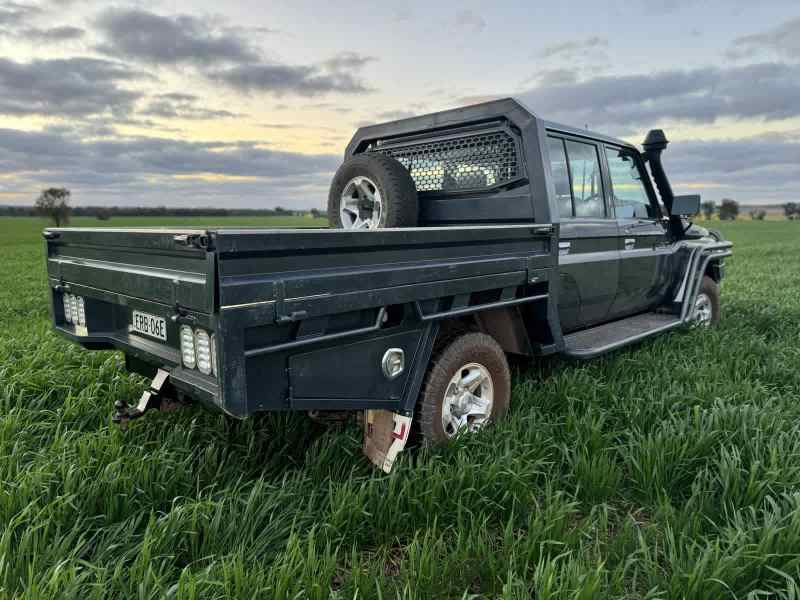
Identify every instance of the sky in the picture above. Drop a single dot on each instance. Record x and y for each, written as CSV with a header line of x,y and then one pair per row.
x,y
250,103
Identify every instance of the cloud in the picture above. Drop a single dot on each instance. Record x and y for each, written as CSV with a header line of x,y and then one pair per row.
x,y
223,55
348,61
52,34
550,77
182,106
385,116
783,40
703,95
394,115
479,99
566,62
575,49
467,20
13,13
127,158
737,157
181,39
337,74
15,19
279,79
152,167
66,87
761,168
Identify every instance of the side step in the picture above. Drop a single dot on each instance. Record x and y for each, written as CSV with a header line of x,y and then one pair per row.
x,y
589,343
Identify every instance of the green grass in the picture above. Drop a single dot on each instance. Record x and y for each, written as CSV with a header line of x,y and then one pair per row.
x,y
668,470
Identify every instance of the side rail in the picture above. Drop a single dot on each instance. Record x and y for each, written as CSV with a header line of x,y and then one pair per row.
x,y
701,255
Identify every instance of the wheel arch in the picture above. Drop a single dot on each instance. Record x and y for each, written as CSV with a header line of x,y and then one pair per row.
x,y
505,325
715,270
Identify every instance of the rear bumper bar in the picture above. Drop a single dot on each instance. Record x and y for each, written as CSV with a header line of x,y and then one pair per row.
x,y
199,387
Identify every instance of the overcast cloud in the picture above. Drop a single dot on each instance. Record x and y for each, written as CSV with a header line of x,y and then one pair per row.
x,y
57,158
52,34
575,48
60,155
181,39
783,39
13,13
182,106
702,95
223,55
66,87
288,79
207,103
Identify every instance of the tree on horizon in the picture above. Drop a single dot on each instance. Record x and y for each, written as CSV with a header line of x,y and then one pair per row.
x,y
53,203
728,210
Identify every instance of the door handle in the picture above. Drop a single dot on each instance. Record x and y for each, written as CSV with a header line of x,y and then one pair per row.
x,y
634,226
564,247
630,243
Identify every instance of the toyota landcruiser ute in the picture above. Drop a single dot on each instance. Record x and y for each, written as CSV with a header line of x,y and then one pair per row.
x,y
457,238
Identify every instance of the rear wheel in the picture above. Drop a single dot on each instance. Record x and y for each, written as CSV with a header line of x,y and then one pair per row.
x,y
468,386
372,191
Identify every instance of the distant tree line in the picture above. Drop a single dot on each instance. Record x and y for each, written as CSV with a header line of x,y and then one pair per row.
x,y
791,211
729,210
50,205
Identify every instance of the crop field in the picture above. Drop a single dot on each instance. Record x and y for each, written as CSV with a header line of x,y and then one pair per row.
x,y
667,470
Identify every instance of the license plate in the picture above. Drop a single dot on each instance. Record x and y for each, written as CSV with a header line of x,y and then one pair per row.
x,y
149,325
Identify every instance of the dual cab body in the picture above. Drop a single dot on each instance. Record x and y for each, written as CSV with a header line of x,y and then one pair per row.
x,y
547,238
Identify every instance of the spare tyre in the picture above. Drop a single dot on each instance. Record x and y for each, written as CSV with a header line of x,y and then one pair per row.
x,y
372,191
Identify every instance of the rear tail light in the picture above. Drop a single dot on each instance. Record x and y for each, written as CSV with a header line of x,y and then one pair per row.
x,y
81,311
202,348
187,347
199,350
214,354
74,309
67,308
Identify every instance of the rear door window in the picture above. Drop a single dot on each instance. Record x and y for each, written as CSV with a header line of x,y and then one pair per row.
x,y
560,171
586,180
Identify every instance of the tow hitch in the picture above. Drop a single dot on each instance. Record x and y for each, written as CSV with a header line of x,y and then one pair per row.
x,y
151,399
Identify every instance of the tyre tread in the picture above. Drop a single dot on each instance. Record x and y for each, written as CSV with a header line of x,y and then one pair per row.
x,y
450,352
401,205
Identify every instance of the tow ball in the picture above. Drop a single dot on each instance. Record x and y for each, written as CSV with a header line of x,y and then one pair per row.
x,y
151,400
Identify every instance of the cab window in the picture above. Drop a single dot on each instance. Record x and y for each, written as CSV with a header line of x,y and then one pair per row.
x,y
558,167
628,193
585,179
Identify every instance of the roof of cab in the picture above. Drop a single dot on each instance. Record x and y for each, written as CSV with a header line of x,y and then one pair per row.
x,y
474,112
592,135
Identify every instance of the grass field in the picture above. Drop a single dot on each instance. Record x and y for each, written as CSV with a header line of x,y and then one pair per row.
x,y
669,470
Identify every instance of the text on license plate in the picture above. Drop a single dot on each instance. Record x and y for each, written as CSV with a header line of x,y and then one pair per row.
x,y
149,325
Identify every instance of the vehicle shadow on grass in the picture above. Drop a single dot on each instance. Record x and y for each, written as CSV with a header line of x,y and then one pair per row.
x,y
273,444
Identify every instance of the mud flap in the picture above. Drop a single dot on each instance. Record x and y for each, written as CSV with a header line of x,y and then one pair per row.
x,y
385,436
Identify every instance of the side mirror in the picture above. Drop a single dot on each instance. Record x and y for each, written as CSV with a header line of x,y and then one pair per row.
x,y
686,206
